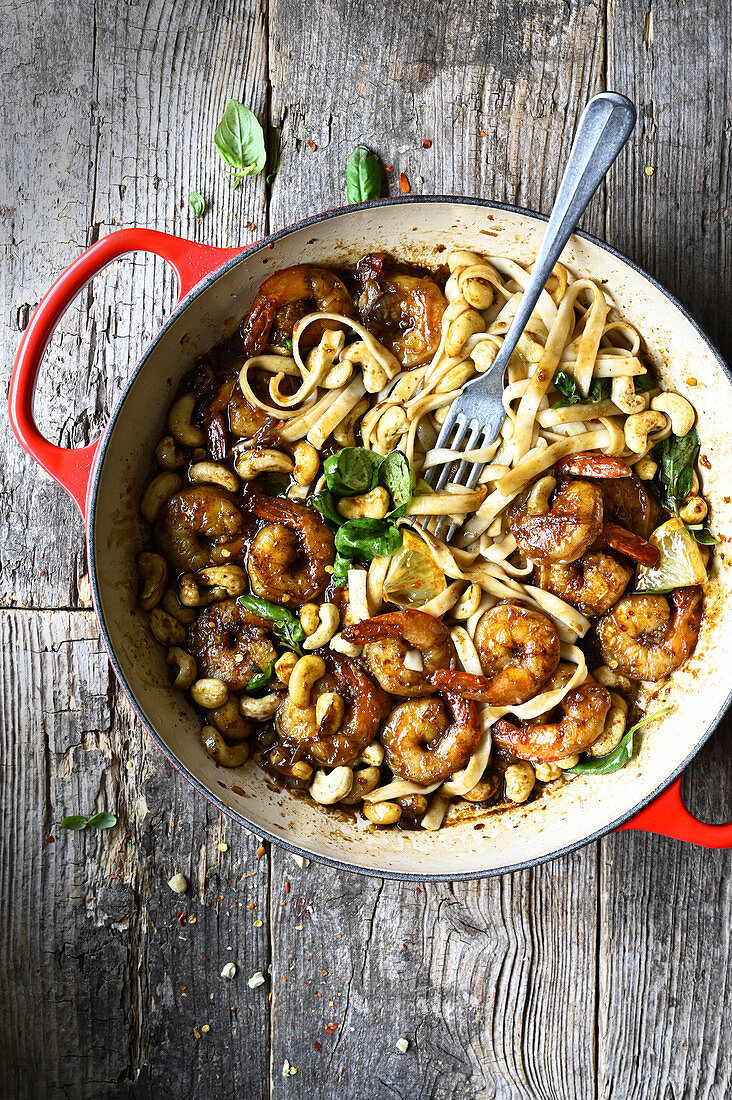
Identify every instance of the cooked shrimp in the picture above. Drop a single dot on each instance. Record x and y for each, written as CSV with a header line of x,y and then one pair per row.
x,y
592,584
592,464
642,637
563,533
403,311
365,706
423,746
288,558
285,297
630,544
626,502
230,644
193,522
388,638
583,709
519,651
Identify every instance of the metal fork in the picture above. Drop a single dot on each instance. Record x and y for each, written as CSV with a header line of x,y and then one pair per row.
x,y
476,415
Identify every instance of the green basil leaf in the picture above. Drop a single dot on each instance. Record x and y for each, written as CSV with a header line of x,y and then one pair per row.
x,y
675,457
276,485
198,204
261,678
324,503
566,385
102,820
367,539
341,566
363,175
287,343
239,139
644,382
352,471
74,822
286,626
701,534
621,755
397,477
564,382
599,390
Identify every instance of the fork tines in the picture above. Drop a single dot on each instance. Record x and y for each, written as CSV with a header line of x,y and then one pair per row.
x,y
467,437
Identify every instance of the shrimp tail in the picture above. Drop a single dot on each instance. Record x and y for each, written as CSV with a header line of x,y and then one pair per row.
x,y
590,464
390,625
256,329
462,685
464,710
274,511
630,544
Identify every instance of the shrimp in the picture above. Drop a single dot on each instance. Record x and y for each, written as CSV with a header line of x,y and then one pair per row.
x,y
584,710
230,644
388,638
403,311
626,503
630,544
644,638
519,651
562,534
423,746
288,559
365,706
193,522
592,584
592,464
284,299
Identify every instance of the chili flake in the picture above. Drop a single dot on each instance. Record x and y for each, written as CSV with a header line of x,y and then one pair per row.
x,y
330,1028
426,144
311,146
404,184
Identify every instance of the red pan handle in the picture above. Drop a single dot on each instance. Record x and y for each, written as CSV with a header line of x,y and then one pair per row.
x,y
190,261
668,816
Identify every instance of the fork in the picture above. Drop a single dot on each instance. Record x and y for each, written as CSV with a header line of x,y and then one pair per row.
x,y
477,412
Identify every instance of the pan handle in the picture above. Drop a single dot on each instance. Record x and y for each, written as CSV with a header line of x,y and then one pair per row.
x,y
668,816
190,261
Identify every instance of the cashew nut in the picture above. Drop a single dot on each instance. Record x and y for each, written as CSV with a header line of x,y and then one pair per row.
x,y
484,789
232,579
329,711
364,781
190,594
186,665
321,361
639,426
284,666
547,773
382,813
345,432
461,329
300,771
306,672
375,374
230,722
174,607
456,377
468,603
258,709
520,779
165,628
613,729
339,644
693,510
608,678
677,409
154,573
209,692
645,468
229,756
373,505
622,394
414,805
180,422
262,460
329,621
309,618
307,462
389,425
537,502
214,473
568,762
330,787
372,754
168,454
160,489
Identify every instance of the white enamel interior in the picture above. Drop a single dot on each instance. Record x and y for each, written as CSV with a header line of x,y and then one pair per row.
x,y
420,231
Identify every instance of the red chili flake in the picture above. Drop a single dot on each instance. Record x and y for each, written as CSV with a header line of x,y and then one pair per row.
x,y
426,144
404,184
127,836
251,905
50,839
330,1028
316,1045
88,900
250,226
287,887
324,973
484,133
183,988
311,146
112,876
260,852
181,915
390,167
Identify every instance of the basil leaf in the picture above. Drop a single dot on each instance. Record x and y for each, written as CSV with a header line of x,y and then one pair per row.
x,y
599,390
260,679
564,382
102,820
368,538
198,204
701,534
621,755
287,343
363,175
644,382
239,139
675,456
276,485
323,502
75,822
341,566
397,477
352,471
286,627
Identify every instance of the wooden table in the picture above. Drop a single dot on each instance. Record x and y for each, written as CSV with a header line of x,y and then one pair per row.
x,y
603,974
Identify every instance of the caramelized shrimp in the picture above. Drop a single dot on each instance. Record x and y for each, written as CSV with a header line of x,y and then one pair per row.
x,y
583,711
388,638
422,745
626,503
230,644
646,639
519,651
592,584
630,544
194,521
403,311
563,533
288,558
284,299
365,706
592,464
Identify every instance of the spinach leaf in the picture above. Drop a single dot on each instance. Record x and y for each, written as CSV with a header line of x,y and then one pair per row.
x,y
352,471
644,382
701,534
620,756
397,477
675,457
363,175
239,139
324,503
261,678
286,626
341,566
565,383
368,538
101,820
198,204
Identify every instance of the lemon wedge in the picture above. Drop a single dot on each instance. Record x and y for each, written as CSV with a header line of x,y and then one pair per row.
x,y
681,562
413,578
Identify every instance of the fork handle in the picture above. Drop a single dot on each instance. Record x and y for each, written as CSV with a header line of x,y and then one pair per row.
x,y
606,124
